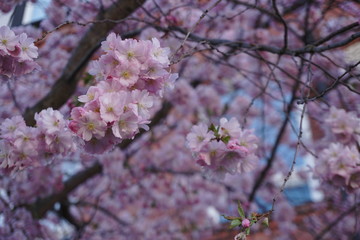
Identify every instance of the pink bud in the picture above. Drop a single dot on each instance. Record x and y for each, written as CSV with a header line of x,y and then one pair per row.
x,y
245,223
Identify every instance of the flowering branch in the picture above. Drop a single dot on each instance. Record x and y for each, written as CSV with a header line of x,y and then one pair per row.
x,y
66,84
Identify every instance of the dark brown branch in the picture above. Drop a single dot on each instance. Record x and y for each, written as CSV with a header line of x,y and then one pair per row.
x,y
104,211
333,84
296,5
266,48
336,33
41,206
284,24
287,11
336,221
260,9
64,212
65,86
279,136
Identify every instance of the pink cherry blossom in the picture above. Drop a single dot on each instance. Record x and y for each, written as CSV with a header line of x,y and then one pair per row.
x,y
87,124
50,121
112,105
10,125
199,137
231,127
126,126
8,40
27,47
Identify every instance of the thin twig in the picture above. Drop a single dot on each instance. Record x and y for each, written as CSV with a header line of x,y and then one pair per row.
x,y
192,29
284,24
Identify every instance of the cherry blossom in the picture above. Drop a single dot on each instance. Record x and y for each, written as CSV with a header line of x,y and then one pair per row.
x,y
17,53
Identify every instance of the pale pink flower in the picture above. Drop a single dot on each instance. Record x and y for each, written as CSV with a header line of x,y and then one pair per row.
x,y
86,124
24,157
199,137
127,126
230,128
169,82
143,102
25,138
97,69
10,125
133,50
343,122
60,143
160,54
50,121
8,39
111,43
248,163
248,140
128,73
27,47
112,105
154,70
92,94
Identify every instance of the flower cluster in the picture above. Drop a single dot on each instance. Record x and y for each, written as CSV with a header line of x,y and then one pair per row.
x,y
342,123
22,146
223,149
339,163
131,75
17,53
340,166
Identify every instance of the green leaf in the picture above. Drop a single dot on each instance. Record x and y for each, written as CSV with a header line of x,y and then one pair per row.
x,y
235,223
247,231
241,210
225,139
88,78
212,128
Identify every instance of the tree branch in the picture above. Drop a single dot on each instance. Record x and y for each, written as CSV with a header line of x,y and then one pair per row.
x,y
42,205
336,221
279,136
261,47
284,24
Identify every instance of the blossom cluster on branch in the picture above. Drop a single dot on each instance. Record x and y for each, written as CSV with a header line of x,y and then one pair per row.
x,y
23,146
222,149
339,163
17,53
131,75
278,67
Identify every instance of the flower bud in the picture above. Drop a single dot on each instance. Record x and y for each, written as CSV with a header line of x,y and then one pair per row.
x,y
245,223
